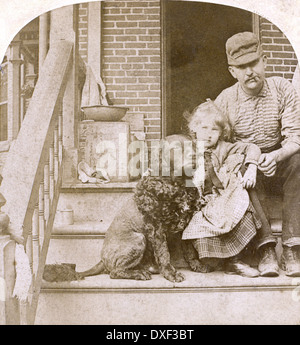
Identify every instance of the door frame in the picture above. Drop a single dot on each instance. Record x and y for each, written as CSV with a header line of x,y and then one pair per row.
x,y
165,77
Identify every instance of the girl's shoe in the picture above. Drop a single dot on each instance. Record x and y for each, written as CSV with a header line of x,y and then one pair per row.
x,y
236,266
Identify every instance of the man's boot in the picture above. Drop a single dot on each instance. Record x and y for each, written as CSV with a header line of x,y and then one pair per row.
x,y
290,261
268,265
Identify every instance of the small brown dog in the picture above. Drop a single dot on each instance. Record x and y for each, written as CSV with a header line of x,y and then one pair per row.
x,y
160,205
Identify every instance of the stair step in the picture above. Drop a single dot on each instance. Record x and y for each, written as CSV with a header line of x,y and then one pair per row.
x,y
98,187
81,228
92,204
213,298
199,281
79,243
83,251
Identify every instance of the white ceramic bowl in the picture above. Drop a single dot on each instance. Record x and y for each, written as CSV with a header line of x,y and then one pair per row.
x,y
104,113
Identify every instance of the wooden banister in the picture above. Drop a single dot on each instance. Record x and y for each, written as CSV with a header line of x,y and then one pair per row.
x,y
9,309
33,169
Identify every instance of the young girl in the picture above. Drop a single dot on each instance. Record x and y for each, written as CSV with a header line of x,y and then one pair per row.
x,y
226,223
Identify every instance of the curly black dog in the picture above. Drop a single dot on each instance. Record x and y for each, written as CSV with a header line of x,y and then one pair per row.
x,y
159,206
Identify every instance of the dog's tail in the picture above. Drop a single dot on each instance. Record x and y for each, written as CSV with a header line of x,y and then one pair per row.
x,y
97,269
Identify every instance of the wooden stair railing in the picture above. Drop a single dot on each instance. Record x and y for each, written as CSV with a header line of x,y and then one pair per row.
x,y
33,170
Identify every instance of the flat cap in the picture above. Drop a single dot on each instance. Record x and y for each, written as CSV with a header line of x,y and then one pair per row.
x,y
243,48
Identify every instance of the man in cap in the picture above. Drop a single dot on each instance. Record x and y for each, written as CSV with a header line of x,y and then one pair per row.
x,y
266,112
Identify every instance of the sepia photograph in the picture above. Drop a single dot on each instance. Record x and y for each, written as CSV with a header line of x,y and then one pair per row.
x,y
150,164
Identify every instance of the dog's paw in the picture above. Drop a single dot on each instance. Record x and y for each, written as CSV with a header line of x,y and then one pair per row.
x,y
140,275
173,276
179,277
143,275
200,267
130,274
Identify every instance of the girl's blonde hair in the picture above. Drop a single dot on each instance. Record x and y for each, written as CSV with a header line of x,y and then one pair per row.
x,y
209,108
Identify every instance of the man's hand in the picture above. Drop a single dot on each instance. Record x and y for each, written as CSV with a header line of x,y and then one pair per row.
x,y
267,163
249,178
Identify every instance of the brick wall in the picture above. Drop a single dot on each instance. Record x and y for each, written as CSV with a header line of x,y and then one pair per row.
x,y
131,57
282,59
131,60
83,30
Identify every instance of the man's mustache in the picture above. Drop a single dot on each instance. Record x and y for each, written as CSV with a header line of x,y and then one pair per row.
x,y
252,78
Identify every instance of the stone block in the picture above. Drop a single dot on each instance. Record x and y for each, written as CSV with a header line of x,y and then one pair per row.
x,y
104,145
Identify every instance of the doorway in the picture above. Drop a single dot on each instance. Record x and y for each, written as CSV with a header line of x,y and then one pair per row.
x,y
194,59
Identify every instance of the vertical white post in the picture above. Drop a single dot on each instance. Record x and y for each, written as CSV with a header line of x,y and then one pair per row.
x,y
13,108
43,38
94,36
255,24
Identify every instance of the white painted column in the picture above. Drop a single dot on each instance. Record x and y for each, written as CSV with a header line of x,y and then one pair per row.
x,y
94,36
43,38
255,25
13,96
